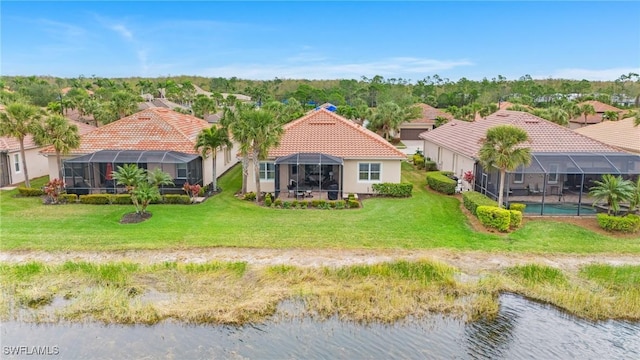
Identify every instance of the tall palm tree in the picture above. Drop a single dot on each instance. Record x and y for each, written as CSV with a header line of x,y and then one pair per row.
x,y
208,142
265,133
558,115
17,121
502,148
59,132
613,190
572,109
124,103
203,106
240,129
586,110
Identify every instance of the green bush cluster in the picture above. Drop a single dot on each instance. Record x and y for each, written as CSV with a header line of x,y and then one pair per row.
x,y
430,165
516,219
176,199
24,191
418,161
494,217
354,204
95,199
393,190
121,199
473,199
628,224
68,198
317,204
268,200
518,206
438,181
250,196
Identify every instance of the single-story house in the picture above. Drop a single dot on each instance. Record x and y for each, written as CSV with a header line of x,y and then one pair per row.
x,y
412,129
11,171
152,138
563,168
323,154
600,108
622,134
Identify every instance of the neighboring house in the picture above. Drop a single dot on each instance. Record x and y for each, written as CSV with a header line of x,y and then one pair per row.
x,y
600,108
412,129
11,171
563,167
622,134
325,154
152,138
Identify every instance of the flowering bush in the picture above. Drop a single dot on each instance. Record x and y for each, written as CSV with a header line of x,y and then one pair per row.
x,y
468,176
53,189
192,190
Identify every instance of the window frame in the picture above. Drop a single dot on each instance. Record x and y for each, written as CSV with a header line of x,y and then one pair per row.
x,y
16,163
179,168
553,173
369,172
515,177
266,168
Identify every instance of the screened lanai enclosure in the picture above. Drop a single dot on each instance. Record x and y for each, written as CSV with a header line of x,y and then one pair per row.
x,y
308,175
92,173
558,183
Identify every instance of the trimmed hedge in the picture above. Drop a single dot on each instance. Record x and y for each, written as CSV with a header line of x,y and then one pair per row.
x,y
354,204
628,224
430,165
250,196
494,217
516,219
24,191
176,199
438,181
393,189
68,198
518,207
96,199
473,199
121,199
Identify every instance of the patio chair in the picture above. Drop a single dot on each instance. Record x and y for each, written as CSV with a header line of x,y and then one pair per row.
x,y
533,191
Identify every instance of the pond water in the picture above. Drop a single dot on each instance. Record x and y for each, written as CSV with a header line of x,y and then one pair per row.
x,y
522,330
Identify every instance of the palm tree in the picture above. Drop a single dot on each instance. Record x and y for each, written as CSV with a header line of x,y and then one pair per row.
x,y
203,106
502,148
610,115
131,176
439,121
586,110
59,132
265,133
558,115
634,201
17,121
572,109
124,103
613,190
240,129
388,116
208,142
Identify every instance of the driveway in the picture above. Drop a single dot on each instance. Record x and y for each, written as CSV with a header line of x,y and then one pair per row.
x,y
412,146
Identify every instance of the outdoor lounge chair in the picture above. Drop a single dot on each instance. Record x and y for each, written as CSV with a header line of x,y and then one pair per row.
x,y
533,191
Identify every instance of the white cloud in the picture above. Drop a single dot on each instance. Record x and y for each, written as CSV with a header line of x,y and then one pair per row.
x,y
404,67
123,31
589,74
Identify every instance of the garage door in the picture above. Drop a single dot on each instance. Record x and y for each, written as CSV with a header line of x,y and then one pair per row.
x,y
411,134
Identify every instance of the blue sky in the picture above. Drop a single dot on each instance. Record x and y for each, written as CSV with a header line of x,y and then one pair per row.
x,y
321,40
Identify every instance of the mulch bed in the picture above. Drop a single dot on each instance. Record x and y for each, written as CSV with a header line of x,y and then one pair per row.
x,y
134,218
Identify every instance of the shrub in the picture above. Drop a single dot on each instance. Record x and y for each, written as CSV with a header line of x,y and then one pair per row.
x,y
494,217
277,203
304,204
95,199
321,203
53,189
268,201
176,199
518,207
250,196
315,203
418,158
515,219
629,223
286,205
68,198
438,181
294,203
393,190
430,165
121,199
354,204
24,191
473,199
324,205
340,204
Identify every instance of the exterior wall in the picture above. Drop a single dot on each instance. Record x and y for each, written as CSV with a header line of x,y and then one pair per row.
x,y
448,160
37,165
265,185
389,172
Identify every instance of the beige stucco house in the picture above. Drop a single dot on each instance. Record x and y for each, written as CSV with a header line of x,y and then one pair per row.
x,y
323,154
152,138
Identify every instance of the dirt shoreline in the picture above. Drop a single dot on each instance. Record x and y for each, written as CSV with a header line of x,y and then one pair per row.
x,y
472,262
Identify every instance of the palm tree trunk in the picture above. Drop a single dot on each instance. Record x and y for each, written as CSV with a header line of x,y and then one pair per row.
x,y
503,173
214,183
60,168
24,164
245,172
256,173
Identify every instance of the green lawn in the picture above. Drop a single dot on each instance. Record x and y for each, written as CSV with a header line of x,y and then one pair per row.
x,y
426,220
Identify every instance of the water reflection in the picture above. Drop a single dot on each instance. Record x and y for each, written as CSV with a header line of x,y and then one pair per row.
x,y
522,330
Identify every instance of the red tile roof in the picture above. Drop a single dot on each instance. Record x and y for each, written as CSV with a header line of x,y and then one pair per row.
x,y
325,132
597,117
429,115
12,144
150,129
622,134
545,136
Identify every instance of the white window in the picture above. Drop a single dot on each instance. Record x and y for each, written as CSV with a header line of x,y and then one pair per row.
x,y
518,176
16,162
369,171
553,173
267,171
181,171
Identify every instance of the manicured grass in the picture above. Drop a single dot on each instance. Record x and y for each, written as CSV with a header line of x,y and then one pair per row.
x,y
427,220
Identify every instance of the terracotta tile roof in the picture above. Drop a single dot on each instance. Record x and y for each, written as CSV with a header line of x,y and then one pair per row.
x,y
12,144
545,136
620,134
600,108
326,132
429,115
150,129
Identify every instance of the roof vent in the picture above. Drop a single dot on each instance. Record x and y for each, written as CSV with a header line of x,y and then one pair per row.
x,y
502,115
531,121
144,118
